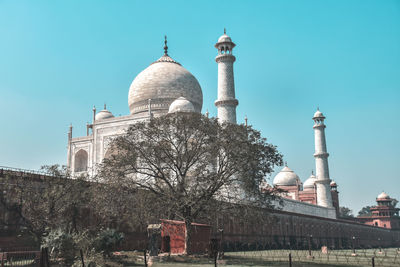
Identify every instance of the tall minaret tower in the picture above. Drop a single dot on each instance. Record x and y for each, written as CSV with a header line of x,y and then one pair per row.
x,y
324,197
226,102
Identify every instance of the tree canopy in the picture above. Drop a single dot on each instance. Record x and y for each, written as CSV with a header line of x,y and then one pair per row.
x,y
190,162
365,211
345,212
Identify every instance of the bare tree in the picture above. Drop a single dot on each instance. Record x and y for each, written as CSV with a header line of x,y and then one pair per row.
x,y
41,203
189,162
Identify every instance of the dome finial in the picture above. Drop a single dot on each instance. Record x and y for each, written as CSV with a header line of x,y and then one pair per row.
x,y
224,30
285,163
105,106
165,46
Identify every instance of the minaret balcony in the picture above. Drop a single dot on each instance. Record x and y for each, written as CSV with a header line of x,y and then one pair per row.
x,y
225,58
320,125
227,102
323,181
321,154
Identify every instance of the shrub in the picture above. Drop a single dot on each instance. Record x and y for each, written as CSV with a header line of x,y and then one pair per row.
x,y
107,240
92,259
61,245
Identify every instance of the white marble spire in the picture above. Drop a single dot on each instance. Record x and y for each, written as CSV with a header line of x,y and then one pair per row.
x,y
226,102
324,197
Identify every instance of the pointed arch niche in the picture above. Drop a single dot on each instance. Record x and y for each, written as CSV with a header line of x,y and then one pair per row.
x,y
81,161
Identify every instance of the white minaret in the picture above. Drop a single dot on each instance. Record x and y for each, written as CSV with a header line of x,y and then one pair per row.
x,y
226,102
324,197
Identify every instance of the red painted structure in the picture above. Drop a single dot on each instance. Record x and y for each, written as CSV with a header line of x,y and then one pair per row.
x,y
173,237
384,215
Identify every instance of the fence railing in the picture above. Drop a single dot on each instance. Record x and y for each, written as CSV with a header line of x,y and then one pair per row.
x,y
26,171
28,258
359,257
350,251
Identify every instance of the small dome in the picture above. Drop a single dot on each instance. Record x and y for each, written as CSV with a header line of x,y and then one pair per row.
x,y
181,104
318,114
310,182
333,183
224,39
383,195
286,177
104,114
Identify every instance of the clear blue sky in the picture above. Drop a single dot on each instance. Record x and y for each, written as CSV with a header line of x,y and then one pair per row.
x,y
59,58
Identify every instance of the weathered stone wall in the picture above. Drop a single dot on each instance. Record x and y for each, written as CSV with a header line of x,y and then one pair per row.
x,y
294,206
287,229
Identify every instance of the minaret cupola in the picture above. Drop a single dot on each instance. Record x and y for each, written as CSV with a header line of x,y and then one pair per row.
x,y
318,117
333,186
225,44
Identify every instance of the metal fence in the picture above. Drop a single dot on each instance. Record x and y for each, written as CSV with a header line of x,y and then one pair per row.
x,y
27,257
235,257
286,251
358,257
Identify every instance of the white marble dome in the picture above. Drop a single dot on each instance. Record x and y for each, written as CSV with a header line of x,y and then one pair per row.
x,y
286,177
310,182
318,114
103,114
224,38
163,81
383,195
181,104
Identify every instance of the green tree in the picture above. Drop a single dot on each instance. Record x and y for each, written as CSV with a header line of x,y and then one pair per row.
x,y
345,212
188,163
365,211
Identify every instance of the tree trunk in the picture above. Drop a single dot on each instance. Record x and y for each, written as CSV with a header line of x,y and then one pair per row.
x,y
188,236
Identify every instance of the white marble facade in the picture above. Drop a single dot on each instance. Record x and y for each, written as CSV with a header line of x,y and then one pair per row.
x,y
166,86
96,144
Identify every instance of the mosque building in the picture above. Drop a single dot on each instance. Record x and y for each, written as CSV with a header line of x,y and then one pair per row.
x,y
166,87
163,87
304,209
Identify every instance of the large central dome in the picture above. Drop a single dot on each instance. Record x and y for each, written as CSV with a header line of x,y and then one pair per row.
x,y
163,81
